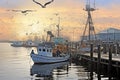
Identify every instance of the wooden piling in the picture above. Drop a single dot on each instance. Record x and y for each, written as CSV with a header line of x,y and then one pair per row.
x,y
110,63
118,50
91,62
98,62
105,48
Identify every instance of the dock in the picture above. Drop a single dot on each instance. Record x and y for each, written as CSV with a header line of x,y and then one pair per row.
x,y
107,64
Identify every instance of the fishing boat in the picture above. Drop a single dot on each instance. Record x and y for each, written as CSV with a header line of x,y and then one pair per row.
x,y
49,53
30,43
17,44
45,55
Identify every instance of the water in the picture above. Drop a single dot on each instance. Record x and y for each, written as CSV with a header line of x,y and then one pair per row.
x,y
16,64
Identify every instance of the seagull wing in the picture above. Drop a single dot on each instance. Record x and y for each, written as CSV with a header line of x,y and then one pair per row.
x,y
38,3
48,3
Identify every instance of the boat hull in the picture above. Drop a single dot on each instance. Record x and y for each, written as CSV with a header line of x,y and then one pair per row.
x,y
46,59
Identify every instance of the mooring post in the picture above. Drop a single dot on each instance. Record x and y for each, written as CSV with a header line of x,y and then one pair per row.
x,y
110,63
104,48
98,62
91,62
118,50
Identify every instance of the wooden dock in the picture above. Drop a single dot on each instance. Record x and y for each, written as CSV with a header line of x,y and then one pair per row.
x,y
107,64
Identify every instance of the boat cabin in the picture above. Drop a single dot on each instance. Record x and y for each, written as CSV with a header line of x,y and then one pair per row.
x,y
44,51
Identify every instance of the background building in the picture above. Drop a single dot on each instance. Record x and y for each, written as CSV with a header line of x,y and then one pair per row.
x,y
110,34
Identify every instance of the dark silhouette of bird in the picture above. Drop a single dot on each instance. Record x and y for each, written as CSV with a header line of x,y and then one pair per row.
x,y
31,24
39,4
25,12
48,3
56,14
43,6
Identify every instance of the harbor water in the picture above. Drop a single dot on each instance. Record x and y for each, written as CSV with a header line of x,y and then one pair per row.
x,y
16,64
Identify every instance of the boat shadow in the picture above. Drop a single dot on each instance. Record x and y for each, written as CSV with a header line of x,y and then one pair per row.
x,y
48,70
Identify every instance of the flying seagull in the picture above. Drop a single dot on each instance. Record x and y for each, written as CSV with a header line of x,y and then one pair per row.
x,y
23,11
43,6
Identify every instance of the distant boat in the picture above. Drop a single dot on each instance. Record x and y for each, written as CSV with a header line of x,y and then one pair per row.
x,y
17,44
30,43
45,55
45,70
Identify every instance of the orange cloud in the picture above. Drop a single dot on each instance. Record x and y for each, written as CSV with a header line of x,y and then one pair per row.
x,y
71,13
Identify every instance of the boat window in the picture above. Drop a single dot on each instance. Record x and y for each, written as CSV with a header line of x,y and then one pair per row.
x,y
47,50
43,50
50,50
39,49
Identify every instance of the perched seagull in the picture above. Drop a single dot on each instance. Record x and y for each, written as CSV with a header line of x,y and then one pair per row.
x,y
43,6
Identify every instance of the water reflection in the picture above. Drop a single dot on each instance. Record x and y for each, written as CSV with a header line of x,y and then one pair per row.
x,y
15,64
45,71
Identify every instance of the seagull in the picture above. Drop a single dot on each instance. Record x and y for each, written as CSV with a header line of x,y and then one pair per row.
x,y
23,11
37,22
31,24
43,6
48,3
56,14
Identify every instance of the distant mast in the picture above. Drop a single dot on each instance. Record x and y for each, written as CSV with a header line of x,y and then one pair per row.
x,y
58,26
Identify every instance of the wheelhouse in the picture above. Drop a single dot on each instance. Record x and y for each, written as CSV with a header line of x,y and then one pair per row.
x,y
44,51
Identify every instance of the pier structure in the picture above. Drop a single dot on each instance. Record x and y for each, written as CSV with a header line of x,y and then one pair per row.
x,y
102,58
103,64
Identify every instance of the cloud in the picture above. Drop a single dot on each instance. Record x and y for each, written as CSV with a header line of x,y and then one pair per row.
x,y
70,11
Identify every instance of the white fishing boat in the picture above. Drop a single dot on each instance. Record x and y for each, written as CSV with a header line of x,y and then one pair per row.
x,y
51,53
45,55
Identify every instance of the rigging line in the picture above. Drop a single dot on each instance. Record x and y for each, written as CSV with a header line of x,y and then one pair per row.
x,y
89,2
84,33
94,4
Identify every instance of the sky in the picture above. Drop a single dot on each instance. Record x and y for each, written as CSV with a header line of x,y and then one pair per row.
x,y
15,25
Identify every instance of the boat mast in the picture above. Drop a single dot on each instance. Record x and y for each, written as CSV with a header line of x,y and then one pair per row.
x,y
89,23
58,25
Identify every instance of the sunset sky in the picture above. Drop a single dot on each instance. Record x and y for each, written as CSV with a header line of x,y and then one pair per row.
x,y
19,26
